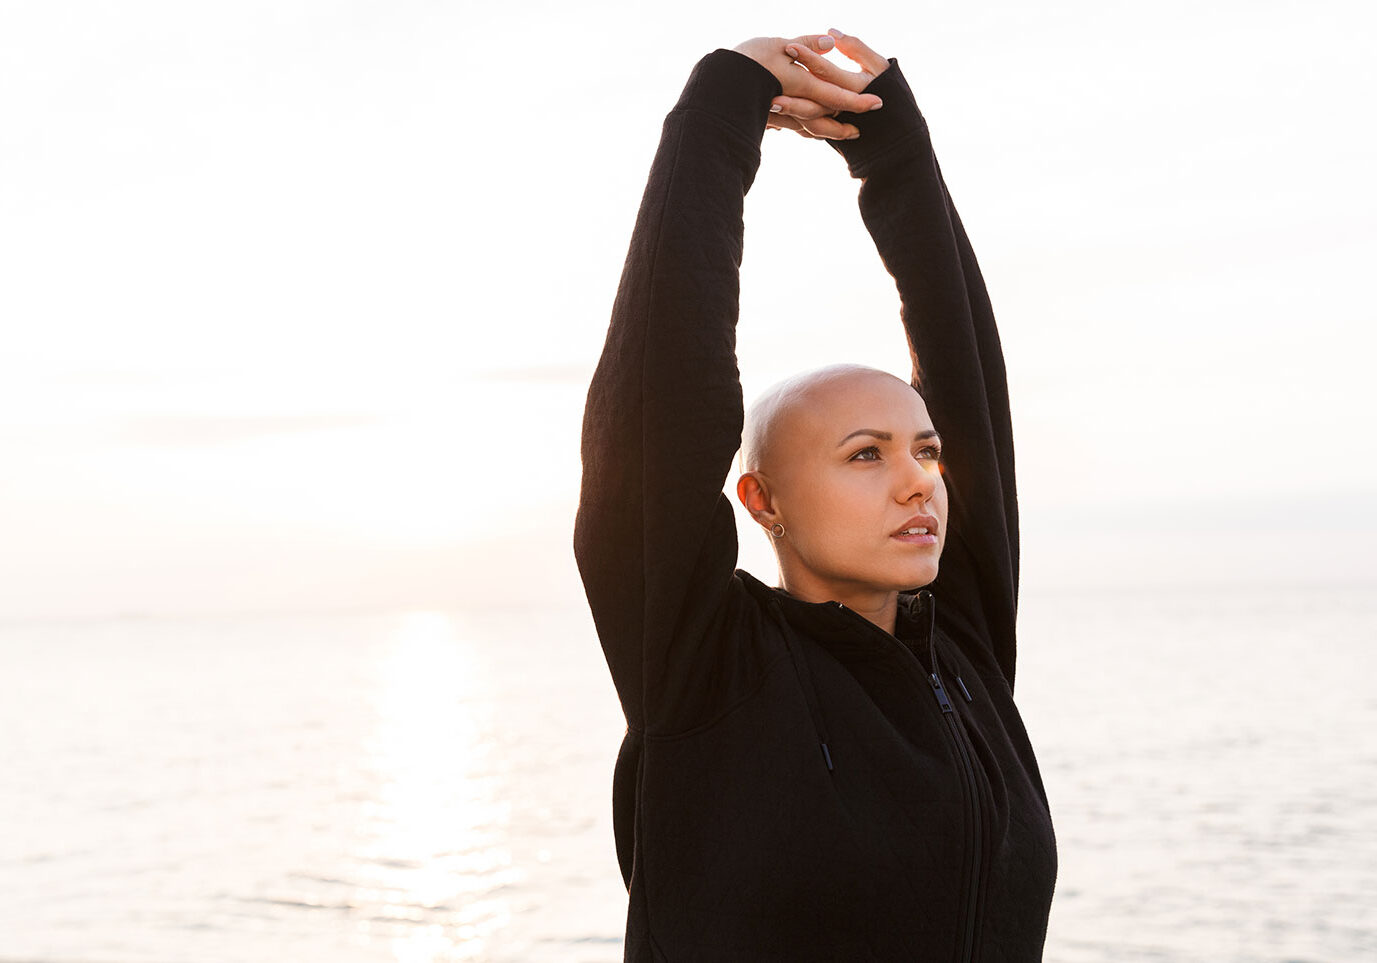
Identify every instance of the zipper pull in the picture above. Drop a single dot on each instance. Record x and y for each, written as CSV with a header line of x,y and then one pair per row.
x,y
940,692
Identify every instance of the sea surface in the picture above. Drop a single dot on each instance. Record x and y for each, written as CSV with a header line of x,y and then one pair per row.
x,y
435,786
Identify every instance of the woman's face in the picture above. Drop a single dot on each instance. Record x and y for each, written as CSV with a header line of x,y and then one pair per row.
x,y
854,476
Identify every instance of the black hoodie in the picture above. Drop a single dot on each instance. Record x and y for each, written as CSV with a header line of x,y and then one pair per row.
x,y
795,783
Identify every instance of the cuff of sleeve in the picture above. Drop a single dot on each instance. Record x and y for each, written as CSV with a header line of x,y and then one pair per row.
x,y
882,129
733,88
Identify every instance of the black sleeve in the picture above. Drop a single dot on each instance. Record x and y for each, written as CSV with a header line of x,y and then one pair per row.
x,y
958,365
655,537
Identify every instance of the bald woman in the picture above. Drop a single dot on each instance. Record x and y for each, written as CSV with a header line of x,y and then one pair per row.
x,y
832,768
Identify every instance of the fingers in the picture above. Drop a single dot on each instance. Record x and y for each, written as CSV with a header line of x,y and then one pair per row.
x,y
854,50
822,68
828,128
813,117
816,42
800,108
836,98
780,122
818,128
828,84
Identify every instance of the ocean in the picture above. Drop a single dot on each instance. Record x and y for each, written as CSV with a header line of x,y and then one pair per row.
x,y
435,786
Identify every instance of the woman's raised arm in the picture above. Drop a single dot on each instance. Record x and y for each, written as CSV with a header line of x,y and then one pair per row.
x,y
958,364
655,538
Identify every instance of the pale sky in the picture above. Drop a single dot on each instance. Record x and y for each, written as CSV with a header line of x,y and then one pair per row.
x,y
301,298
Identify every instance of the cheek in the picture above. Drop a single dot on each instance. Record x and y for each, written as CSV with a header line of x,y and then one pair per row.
x,y
852,497
835,505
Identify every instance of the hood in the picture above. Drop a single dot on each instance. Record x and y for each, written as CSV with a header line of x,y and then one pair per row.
x,y
848,637
844,633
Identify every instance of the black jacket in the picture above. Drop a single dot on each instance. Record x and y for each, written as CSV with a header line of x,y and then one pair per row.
x,y
795,783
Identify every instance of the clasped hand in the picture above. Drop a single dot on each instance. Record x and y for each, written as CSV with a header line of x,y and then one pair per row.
x,y
815,89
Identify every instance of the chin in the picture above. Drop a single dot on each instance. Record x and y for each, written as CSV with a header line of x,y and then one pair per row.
x,y
908,580
919,578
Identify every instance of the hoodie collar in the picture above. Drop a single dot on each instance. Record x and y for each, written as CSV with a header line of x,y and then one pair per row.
x,y
848,635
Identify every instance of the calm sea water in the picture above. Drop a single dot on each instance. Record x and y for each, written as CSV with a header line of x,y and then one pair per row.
x,y
436,786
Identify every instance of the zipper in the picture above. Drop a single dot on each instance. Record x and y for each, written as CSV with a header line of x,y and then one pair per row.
x,y
967,765
972,793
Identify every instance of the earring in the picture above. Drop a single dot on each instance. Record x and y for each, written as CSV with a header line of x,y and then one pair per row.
x,y
776,530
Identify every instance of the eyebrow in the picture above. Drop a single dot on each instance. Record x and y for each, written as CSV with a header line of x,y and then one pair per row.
x,y
884,435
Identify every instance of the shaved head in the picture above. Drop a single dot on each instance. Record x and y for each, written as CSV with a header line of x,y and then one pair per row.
x,y
772,417
842,467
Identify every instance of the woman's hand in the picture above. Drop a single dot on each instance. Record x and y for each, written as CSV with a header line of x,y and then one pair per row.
x,y
814,89
809,116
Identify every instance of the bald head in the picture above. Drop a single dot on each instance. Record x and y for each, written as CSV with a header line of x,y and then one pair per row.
x,y
793,406
842,467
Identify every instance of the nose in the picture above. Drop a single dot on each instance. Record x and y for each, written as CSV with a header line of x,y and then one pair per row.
x,y
919,481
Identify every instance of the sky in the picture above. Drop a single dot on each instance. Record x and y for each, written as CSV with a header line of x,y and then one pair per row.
x,y
301,299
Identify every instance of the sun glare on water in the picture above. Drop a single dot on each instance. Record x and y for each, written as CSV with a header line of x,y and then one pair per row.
x,y
434,840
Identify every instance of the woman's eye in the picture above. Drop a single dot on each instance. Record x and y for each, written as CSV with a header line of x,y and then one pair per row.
x,y
930,453
869,453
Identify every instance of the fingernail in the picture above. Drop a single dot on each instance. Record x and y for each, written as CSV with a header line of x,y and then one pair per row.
x,y
792,51
775,108
877,105
825,42
853,136
835,32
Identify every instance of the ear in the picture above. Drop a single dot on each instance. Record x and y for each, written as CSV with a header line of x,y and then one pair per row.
x,y
754,494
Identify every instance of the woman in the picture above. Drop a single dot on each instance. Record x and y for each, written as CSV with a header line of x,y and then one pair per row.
x,y
833,769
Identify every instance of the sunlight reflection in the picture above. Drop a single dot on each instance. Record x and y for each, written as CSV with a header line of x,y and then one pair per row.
x,y
434,839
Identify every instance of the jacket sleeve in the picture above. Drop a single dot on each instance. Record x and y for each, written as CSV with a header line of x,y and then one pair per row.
x,y
958,365
655,537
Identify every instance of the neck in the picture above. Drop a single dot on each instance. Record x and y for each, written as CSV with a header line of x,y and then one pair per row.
x,y
879,606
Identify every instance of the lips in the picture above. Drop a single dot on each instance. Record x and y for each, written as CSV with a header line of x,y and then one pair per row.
x,y
918,525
